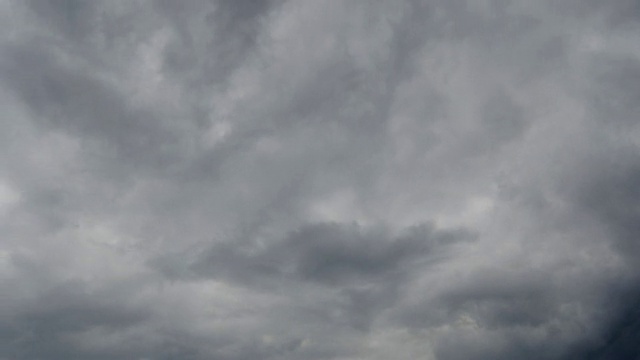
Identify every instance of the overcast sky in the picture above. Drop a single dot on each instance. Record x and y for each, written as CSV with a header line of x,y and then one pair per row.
x,y
236,180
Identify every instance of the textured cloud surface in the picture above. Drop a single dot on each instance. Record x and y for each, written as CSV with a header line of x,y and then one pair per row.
x,y
438,179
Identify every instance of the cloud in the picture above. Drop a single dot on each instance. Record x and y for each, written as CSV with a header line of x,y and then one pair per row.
x,y
319,180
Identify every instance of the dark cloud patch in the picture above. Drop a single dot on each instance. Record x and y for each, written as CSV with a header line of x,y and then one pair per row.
x,y
228,31
238,16
617,97
68,308
503,119
613,198
626,14
500,302
368,267
331,254
45,327
72,18
618,338
63,97
623,337
619,14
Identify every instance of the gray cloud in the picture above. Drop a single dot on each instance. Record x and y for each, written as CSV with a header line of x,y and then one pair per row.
x,y
330,253
319,180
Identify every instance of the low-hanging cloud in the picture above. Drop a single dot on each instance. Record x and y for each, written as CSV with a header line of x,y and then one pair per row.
x,y
319,180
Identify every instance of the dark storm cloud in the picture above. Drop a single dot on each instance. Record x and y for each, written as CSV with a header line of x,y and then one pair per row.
x,y
368,267
620,336
319,180
331,254
613,198
48,324
45,317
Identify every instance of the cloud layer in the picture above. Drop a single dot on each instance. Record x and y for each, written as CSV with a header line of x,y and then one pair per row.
x,y
319,180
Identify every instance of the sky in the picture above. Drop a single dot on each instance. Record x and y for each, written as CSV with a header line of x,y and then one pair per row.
x,y
319,179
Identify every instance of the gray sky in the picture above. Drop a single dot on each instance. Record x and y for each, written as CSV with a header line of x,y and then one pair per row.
x,y
234,180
